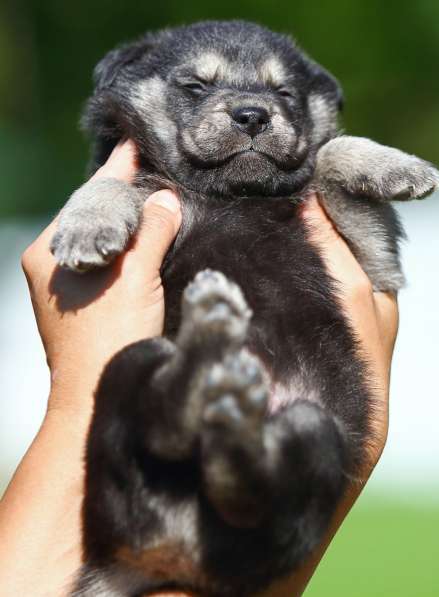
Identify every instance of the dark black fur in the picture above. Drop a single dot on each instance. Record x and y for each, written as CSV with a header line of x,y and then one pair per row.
x,y
148,484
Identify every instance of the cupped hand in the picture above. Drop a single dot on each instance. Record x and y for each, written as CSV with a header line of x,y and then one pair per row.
x,y
373,318
84,319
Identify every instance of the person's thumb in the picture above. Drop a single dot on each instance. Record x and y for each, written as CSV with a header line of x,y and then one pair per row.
x,y
338,258
160,224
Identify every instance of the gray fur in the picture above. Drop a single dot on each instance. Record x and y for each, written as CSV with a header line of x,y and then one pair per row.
x,y
324,116
149,97
96,224
356,177
367,169
99,218
211,306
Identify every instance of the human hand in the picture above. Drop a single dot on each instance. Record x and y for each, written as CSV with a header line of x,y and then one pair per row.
x,y
373,318
83,321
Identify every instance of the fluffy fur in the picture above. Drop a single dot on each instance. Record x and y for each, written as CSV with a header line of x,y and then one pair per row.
x,y
218,453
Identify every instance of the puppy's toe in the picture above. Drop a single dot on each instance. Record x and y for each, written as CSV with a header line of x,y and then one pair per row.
x,y
83,246
416,180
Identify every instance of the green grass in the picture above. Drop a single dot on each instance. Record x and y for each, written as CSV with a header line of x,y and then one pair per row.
x,y
385,548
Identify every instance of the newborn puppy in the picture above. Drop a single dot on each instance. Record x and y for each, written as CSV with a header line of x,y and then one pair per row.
x,y
217,454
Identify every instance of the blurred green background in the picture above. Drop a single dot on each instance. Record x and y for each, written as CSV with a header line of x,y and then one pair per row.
x,y
386,54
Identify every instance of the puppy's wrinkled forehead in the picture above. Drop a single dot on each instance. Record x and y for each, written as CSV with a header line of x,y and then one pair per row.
x,y
213,66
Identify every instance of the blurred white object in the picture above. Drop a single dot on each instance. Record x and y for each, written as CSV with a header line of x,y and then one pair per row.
x,y
410,463
24,376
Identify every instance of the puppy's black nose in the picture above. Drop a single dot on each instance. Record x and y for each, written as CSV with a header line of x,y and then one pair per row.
x,y
251,120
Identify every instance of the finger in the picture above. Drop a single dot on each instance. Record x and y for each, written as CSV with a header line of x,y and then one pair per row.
x,y
339,260
121,164
386,308
161,222
319,225
37,255
387,304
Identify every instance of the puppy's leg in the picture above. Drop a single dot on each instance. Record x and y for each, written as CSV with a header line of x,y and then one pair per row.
x,y
232,439
287,467
96,223
364,168
372,231
215,318
357,178
213,393
307,457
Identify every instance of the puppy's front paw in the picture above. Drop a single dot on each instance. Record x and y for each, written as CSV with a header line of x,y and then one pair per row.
x,y
365,168
82,242
96,224
403,177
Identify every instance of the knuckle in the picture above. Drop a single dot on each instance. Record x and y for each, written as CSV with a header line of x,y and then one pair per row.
x,y
28,258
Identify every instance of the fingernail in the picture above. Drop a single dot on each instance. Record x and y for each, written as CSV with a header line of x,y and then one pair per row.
x,y
166,199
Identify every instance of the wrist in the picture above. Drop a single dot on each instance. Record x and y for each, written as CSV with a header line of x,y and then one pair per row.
x,y
72,389
43,504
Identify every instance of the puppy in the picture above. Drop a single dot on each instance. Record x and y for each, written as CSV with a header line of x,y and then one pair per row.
x,y
217,454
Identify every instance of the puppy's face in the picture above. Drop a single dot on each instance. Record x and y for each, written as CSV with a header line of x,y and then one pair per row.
x,y
227,108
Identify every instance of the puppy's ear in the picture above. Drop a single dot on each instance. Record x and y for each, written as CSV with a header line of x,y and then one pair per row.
x,y
105,118
108,68
326,85
325,101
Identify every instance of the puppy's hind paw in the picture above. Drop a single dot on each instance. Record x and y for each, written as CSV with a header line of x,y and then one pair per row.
x,y
214,305
236,394
232,438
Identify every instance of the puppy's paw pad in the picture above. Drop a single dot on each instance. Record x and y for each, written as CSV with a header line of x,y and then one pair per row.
x,y
223,411
214,303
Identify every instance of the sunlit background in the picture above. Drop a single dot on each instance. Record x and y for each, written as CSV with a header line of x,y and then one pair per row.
x,y
386,55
